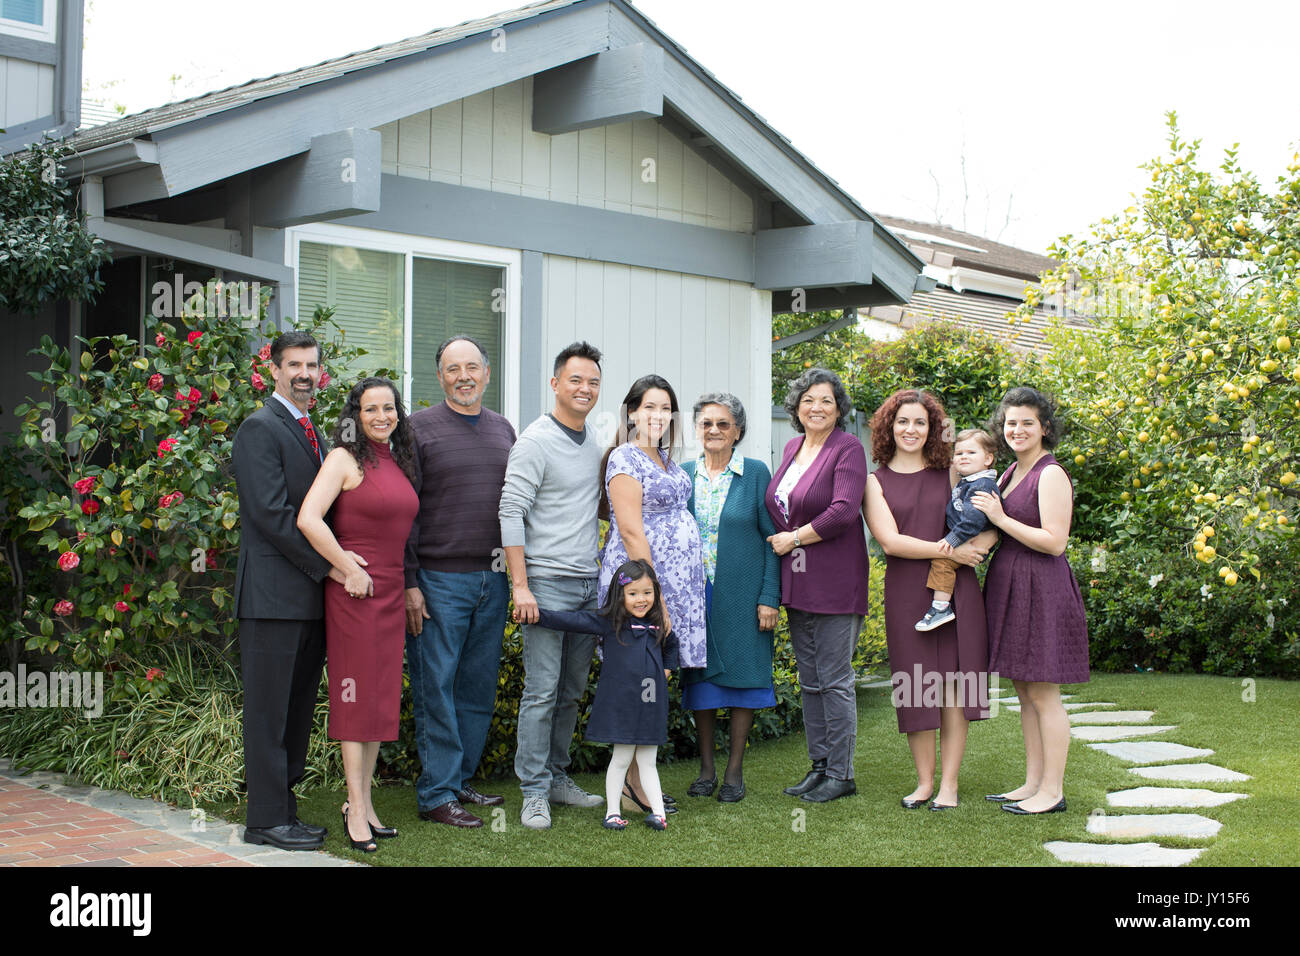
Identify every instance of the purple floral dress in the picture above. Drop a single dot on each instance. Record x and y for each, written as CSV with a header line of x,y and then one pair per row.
x,y
674,539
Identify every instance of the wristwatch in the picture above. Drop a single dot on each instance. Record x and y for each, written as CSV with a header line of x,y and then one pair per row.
x,y
796,537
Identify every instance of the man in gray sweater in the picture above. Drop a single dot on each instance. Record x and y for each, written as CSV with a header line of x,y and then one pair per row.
x,y
549,531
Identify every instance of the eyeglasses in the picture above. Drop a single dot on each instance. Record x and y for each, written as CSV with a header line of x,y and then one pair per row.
x,y
706,425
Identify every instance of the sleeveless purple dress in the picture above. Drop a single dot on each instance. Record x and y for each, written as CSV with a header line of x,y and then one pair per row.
x,y
917,502
1037,629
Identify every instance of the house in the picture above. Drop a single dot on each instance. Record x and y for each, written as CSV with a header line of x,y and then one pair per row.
x,y
40,69
557,172
974,282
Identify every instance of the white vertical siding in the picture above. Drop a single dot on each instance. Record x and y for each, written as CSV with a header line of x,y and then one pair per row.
x,y
26,91
700,334
487,141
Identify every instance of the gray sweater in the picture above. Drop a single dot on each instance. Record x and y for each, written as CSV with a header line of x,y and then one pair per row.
x,y
548,504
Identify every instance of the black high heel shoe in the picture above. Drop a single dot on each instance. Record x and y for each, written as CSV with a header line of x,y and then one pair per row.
x,y
363,846
383,833
630,794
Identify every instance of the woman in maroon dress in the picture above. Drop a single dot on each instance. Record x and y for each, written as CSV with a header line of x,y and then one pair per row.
x,y
367,481
1037,632
940,676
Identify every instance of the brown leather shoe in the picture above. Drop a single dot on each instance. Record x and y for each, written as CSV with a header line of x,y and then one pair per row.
x,y
452,814
470,795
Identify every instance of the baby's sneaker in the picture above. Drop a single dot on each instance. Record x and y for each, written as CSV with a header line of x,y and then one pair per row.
x,y
936,617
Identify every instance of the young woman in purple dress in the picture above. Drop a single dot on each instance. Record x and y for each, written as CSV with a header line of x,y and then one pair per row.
x,y
1037,632
905,501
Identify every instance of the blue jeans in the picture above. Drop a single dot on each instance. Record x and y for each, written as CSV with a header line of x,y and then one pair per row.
x,y
453,663
556,667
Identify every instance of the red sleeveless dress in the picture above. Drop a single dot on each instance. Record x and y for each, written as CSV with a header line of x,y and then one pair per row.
x,y
365,637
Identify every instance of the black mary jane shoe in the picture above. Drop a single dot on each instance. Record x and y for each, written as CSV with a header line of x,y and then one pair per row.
x,y
702,787
1058,807
814,776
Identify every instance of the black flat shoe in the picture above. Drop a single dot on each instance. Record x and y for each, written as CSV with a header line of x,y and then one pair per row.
x,y
814,776
732,792
702,787
914,804
998,798
1058,807
944,806
830,789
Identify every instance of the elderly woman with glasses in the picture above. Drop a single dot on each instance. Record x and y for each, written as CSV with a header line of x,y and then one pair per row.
x,y
742,590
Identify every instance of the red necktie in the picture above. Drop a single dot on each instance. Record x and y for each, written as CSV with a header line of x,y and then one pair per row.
x,y
305,422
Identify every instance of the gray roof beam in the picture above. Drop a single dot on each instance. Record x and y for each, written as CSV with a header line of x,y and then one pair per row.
x,y
134,237
811,257
195,152
226,240
339,176
610,87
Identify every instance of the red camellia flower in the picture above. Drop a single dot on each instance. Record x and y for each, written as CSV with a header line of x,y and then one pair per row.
x,y
324,380
121,607
160,340
155,382
63,608
68,560
126,588
82,486
89,507
193,338
166,445
258,383
166,501
153,673
81,536
264,352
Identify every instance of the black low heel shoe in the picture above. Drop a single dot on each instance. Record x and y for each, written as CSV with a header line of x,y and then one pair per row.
x,y
363,846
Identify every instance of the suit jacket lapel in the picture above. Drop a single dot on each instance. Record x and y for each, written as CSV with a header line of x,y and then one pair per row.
x,y
299,432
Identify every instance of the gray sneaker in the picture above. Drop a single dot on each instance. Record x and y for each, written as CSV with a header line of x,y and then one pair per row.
x,y
934,617
536,814
564,792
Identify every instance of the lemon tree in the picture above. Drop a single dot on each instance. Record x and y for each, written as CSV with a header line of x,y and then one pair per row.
x,y
1185,396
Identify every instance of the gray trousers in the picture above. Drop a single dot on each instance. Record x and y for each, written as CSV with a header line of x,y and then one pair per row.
x,y
823,648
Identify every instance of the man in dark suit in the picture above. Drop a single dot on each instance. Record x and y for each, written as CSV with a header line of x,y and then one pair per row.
x,y
279,598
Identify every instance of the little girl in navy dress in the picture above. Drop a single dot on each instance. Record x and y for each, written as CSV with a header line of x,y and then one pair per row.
x,y
631,706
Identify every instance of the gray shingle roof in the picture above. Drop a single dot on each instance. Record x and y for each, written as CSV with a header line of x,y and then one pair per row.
x,y
988,313
991,257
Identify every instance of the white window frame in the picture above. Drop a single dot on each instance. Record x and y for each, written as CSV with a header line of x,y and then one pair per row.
x,y
508,373
45,33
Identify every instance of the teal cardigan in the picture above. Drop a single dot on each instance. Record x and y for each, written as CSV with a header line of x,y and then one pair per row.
x,y
748,574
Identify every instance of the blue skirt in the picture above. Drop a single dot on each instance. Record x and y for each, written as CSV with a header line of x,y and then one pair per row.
x,y
706,695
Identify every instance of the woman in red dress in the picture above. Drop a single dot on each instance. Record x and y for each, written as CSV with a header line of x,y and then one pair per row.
x,y
366,479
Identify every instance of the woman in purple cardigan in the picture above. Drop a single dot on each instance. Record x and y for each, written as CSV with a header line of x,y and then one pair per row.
x,y
814,500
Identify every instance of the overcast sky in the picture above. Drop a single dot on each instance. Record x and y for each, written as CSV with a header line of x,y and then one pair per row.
x,y
1049,107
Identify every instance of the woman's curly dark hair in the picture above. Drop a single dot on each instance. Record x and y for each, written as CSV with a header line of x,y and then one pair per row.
x,y
348,433
817,376
1024,396
937,451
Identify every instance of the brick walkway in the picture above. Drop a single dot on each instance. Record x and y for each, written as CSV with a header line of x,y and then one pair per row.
x,y
45,822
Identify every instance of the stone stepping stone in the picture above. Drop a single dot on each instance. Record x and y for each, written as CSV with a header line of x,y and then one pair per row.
x,y
1151,751
1171,797
1000,690
1016,700
1121,854
1113,717
1117,733
1191,825
877,684
1191,772
1072,706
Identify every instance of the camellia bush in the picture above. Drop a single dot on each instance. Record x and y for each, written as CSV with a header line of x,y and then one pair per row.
x,y
135,528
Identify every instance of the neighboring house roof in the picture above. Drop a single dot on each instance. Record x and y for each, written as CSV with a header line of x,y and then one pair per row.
x,y
948,247
979,283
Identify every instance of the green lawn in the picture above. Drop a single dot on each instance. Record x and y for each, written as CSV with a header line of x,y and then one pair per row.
x,y
871,828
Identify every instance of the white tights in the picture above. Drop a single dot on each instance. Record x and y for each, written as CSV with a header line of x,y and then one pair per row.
x,y
645,762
